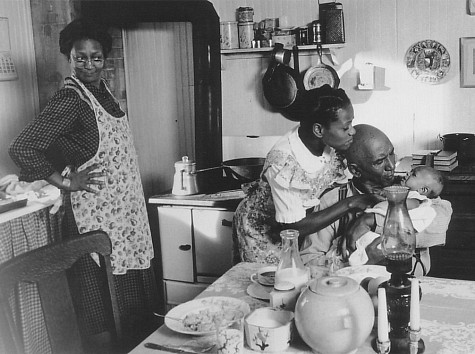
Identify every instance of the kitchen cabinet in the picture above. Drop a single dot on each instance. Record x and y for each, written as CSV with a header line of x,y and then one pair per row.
x,y
456,259
195,241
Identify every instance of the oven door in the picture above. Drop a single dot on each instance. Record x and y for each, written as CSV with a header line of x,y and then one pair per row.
x,y
212,242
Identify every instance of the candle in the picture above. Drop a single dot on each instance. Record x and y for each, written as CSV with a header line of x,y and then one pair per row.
x,y
415,312
383,328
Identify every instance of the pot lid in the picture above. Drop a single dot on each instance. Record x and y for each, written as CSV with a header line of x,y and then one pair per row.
x,y
334,286
185,164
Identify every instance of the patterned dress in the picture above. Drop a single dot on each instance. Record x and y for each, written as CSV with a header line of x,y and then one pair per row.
x,y
256,224
70,136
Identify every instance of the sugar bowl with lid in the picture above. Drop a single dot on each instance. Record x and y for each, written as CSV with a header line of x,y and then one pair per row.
x,y
334,315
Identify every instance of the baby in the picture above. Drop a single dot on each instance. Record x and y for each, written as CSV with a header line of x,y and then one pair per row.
x,y
425,185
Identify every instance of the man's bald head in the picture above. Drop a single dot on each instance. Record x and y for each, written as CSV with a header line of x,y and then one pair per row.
x,y
371,157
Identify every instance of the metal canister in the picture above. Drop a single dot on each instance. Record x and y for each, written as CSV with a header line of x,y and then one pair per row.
x,y
302,38
271,23
229,35
316,32
246,34
245,14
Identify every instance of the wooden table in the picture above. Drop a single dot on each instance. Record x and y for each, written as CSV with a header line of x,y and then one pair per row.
x,y
447,315
23,230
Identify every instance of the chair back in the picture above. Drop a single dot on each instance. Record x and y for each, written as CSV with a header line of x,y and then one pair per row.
x,y
46,267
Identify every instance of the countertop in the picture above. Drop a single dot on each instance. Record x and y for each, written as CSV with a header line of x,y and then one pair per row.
x,y
462,173
229,199
226,199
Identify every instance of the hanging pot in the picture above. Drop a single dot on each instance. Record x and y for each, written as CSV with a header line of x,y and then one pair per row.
x,y
463,143
320,74
281,83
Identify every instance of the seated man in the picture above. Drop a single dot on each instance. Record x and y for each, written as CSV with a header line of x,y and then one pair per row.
x,y
371,160
425,185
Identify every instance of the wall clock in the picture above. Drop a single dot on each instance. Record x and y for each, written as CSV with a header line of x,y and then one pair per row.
x,y
427,61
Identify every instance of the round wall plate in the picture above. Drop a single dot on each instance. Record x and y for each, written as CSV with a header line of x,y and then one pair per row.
x,y
427,61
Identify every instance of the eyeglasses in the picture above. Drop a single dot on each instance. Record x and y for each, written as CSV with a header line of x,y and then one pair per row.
x,y
81,61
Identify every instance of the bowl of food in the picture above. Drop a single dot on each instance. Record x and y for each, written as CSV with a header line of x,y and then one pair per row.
x,y
269,329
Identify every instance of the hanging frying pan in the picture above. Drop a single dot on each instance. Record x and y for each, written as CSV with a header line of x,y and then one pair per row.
x,y
320,74
281,83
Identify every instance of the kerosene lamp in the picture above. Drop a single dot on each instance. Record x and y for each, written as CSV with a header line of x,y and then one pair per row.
x,y
398,243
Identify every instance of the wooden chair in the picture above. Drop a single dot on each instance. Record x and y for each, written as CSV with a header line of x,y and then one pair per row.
x,y
47,266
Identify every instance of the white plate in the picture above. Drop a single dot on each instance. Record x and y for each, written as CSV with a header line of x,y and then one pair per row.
x,y
174,318
259,291
361,272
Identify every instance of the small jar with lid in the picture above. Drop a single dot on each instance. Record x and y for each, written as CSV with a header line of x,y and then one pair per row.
x,y
245,14
302,36
315,33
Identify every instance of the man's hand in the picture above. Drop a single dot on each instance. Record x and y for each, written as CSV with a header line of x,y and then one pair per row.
x,y
358,228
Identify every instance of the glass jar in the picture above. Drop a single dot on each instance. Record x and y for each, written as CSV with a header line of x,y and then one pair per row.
x,y
398,240
291,268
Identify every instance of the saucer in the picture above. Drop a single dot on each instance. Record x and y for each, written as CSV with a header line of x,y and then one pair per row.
x,y
258,291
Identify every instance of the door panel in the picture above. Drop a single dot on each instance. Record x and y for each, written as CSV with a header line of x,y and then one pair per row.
x,y
213,241
176,243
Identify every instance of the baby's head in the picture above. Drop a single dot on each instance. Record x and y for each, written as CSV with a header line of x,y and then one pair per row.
x,y
426,180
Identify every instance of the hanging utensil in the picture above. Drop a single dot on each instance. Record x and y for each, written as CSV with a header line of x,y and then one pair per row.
x,y
281,83
320,74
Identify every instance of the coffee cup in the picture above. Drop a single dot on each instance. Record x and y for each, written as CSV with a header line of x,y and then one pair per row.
x,y
264,276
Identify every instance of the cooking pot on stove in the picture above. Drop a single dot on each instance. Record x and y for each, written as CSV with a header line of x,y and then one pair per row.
x,y
237,171
244,169
463,143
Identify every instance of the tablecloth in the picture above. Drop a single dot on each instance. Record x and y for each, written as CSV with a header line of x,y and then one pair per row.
x,y
447,314
29,229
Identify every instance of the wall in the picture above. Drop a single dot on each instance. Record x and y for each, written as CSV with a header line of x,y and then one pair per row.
x,y
413,114
34,30
19,98
380,31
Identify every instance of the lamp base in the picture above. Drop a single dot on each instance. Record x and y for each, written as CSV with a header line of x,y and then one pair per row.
x,y
400,346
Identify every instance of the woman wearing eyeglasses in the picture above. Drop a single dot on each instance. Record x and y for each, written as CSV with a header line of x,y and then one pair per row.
x,y
81,143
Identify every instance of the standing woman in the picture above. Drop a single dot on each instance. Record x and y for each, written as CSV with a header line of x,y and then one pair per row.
x,y
298,169
84,131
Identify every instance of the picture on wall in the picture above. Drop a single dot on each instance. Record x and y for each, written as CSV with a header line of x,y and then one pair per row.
x,y
467,62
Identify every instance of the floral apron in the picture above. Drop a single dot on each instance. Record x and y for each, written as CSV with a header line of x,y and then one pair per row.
x,y
119,206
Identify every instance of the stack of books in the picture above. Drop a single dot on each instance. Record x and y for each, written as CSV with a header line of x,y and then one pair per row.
x,y
443,160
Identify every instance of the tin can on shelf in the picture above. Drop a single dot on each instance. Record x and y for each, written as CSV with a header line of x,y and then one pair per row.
x,y
285,36
245,14
302,37
229,35
271,23
315,33
246,34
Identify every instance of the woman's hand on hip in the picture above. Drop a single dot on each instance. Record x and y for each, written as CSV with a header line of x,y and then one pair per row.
x,y
86,179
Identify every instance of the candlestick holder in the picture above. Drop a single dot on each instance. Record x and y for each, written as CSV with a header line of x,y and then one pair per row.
x,y
416,344
383,347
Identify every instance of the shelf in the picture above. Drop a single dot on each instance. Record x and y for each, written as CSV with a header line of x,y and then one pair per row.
x,y
259,52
